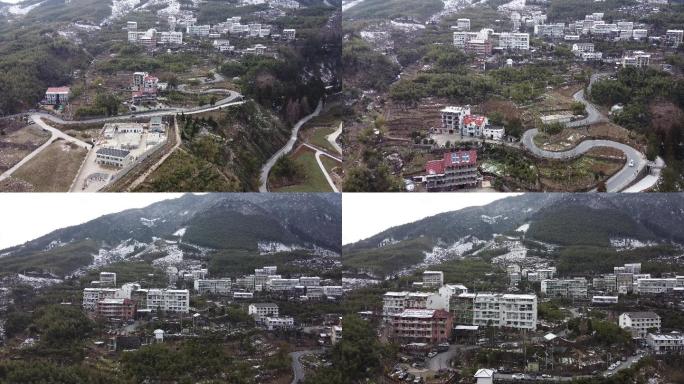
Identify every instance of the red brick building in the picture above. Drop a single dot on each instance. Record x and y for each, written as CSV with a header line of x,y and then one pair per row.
x,y
430,326
115,309
456,170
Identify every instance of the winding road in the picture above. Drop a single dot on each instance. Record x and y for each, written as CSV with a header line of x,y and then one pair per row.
x,y
624,177
233,98
297,367
617,182
266,169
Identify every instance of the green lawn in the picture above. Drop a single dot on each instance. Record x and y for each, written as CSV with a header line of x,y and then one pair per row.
x,y
315,180
318,138
329,163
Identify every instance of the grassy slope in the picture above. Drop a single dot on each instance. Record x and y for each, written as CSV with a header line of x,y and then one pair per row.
x,y
54,168
315,180
382,9
61,260
390,258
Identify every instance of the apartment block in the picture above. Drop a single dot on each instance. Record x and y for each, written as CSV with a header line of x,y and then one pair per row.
x,y
499,310
512,41
656,286
639,323
422,326
433,278
674,37
91,296
274,323
169,300
214,286
555,31
260,311
107,278
665,342
638,59
575,288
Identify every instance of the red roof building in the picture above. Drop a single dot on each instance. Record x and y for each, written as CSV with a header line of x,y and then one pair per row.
x,y
456,170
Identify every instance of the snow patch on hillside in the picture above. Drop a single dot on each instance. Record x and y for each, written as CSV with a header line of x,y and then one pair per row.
x,y
38,282
55,244
148,222
121,8
180,232
523,228
271,247
517,252
386,242
440,254
624,244
491,219
18,10
118,253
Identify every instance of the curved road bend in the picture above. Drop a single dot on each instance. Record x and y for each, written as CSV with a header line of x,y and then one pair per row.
x,y
617,182
332,138
266,169
297,367
57,134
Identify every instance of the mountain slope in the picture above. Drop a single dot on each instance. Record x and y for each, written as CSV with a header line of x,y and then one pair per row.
x,y
253,223
603,220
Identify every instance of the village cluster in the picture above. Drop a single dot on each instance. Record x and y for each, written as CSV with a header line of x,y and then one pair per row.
x,y
131,301
435,315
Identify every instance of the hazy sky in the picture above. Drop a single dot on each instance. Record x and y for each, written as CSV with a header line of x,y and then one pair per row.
x,y
366,214
26,216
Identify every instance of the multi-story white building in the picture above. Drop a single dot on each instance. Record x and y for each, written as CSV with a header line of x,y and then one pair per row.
x,y
604,300
91,296
512,41
108,278
555,31
579,48
639,323
463,24
260,311
499,310
639,34
605,283
198,30
173,38
452,118
666,342
539,274
169,300
310,281
333,290
243,295
573,288
433,278
289,34
281,285
273,323
655,286
637,59
674,37
245,282
393,303
215,286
